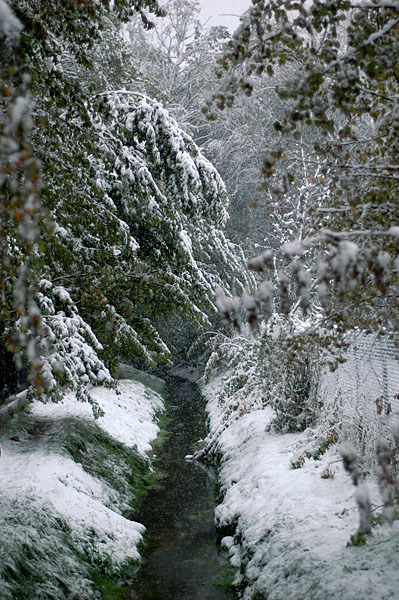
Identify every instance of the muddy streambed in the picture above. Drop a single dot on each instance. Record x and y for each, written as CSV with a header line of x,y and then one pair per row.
x,y
182,561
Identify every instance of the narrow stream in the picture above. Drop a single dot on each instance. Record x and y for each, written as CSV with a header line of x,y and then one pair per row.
x,y
182,561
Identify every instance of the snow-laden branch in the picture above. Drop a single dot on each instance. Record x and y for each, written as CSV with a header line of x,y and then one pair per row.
x,y
9,24
374,5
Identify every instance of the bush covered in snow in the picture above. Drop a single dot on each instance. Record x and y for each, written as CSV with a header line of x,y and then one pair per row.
x,y
263,372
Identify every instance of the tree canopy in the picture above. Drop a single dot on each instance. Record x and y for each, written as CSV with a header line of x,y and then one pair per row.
x,y
333,66
112,216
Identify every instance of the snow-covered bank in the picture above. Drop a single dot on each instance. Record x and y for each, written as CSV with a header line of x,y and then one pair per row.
x,y
129,412
69,482
287,528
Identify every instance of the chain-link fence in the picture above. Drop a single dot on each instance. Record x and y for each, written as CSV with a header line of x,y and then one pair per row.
x,y
361,397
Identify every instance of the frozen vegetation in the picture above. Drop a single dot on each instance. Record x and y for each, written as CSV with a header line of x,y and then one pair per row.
x,y
137,161
70,485
288,513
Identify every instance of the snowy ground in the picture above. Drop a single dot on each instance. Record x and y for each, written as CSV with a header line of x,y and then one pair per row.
x,y
53,482
129,412
293,525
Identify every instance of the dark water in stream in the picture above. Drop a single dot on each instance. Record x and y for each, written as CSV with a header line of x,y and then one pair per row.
x,y
182,562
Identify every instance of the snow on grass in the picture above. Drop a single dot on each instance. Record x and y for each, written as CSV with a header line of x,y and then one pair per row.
x,y
129,412
289,527
59,484
35,470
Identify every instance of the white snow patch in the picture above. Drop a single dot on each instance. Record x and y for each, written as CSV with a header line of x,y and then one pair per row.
x,y
62,485
128,415
57,482
293,525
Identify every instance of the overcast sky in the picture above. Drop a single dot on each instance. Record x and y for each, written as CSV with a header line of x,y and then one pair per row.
x,y
217,10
